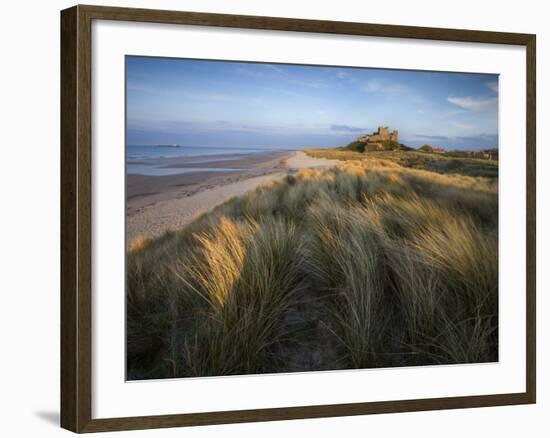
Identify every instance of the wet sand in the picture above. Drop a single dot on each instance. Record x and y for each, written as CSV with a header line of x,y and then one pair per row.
x,y
159,203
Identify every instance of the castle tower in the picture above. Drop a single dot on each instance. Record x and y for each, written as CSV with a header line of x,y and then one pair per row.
x,y
384,132
394,136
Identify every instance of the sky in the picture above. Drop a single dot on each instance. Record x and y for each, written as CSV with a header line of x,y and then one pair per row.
x,y
261,105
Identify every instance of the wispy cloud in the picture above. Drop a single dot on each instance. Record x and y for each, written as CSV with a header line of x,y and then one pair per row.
x,y
142,88
373,86
347,128
492,85
342,74
346,76
463,142
463,126
253,73
473,103
479,138
274,67
311,84
221,97
432,137
204,126
386,87
273,72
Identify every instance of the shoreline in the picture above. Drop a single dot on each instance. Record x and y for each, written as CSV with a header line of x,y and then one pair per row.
x,y
156,204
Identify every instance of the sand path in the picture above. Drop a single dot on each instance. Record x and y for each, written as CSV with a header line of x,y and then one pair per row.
x,y
299,160
172,214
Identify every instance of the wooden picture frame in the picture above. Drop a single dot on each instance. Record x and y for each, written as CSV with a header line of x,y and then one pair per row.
x,y
76,217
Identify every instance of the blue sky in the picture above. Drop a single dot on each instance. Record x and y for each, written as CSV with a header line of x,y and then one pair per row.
x,y
236,104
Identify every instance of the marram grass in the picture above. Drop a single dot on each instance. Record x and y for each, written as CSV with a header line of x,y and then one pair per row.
x,y
366,264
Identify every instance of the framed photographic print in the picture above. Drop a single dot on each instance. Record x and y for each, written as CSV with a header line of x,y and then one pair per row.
x,y
270,218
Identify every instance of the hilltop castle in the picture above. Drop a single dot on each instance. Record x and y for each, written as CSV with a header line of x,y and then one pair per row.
x,y
374,142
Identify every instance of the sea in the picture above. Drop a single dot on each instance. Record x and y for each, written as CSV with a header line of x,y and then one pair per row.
x,y
140,152
155,160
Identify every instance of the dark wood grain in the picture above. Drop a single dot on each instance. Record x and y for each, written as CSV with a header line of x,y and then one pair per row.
x,y
76,251
296,413
84,217
299,25
69,320
76,222
531,213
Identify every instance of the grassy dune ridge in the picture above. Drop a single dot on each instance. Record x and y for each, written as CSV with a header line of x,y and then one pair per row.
x,y
366,264
418,160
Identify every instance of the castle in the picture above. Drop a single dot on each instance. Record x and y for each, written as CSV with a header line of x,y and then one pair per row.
x,y
374,142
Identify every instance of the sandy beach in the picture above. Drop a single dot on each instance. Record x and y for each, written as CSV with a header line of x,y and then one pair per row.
x,y
170,193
